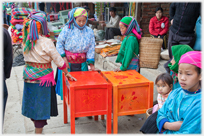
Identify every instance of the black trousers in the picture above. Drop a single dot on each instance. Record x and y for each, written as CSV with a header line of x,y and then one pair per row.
x,y
111,32
175,39
150,125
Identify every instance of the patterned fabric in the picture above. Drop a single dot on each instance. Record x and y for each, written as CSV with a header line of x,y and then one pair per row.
x,y
161,99
16,21
80,12
39,65
75,57
132,26
77,41
192,57
134,64
34,72
19,17
22,11
175,80
31,37
36,101
71,18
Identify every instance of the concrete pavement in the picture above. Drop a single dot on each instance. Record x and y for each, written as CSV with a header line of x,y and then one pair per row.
x,y
16,123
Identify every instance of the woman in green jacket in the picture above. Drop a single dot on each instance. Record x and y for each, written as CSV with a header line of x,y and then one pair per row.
x,y
129,50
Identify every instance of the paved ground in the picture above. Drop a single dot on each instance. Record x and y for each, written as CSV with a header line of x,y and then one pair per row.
x,y
16,123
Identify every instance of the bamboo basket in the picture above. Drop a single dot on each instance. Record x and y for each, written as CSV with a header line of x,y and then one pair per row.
x,y
98,50
150,49
148,112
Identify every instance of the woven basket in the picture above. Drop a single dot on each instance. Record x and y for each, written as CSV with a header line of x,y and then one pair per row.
x,y
150,49
148,112
98,50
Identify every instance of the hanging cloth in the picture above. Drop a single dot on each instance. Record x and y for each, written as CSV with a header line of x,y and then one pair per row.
x,y
54,6
62,6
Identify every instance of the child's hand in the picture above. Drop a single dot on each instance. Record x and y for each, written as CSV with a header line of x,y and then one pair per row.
x,y
175,126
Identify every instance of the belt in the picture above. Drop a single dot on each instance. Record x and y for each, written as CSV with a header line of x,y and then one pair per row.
x,y
75,57
39,65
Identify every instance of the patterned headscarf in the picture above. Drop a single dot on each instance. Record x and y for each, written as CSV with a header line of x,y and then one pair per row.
x,y
74,13
132,26
177,52
192,57
34,23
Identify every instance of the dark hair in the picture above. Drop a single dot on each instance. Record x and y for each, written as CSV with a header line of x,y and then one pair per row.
x,y
86,8
112,9
166,78
159,8
198,70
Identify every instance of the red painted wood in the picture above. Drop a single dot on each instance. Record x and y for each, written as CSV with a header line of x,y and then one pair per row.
x,y
64,101
132,94
102,117
96,118
90,95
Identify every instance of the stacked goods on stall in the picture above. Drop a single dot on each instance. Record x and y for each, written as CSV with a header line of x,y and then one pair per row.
x,y
53,17
17,19
56,33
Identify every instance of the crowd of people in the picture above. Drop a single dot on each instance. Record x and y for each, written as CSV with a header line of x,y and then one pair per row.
x,y
179,89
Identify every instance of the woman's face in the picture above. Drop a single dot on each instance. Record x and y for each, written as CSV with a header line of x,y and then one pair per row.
x,y
158,14
122,28
81,21
188,77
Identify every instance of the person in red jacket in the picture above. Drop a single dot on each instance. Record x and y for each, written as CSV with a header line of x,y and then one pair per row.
x,y
159,25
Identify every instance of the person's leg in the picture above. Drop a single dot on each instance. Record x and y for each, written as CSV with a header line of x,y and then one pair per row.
x,y
163,37
107,33
153,36
4,17
150,125
113,32
5,98
175,39
187,40
171,42
39,124
38,130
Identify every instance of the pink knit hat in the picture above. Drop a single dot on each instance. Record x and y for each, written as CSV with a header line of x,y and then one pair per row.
x,y
192,57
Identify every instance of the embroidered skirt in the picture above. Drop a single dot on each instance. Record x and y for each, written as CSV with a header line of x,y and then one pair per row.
x,y
134,64
36,101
